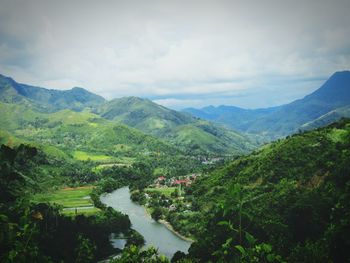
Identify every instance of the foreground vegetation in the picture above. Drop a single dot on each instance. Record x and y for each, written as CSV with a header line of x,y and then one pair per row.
x,y
290,198
37,232
288,201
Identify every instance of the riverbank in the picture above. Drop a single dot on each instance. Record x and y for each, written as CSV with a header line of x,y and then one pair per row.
x,y
156,235
168,226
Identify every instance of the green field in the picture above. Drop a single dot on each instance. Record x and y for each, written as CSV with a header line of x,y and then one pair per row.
x,y
119,162
86,212
84,156
70,199
167,191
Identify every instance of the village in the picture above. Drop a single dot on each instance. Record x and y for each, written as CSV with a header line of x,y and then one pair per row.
x,y
163,182
166,201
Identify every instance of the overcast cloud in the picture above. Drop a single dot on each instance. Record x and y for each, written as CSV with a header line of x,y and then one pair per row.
x,y
178,53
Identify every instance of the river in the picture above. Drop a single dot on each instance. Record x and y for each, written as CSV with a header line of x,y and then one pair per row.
x,y
155,234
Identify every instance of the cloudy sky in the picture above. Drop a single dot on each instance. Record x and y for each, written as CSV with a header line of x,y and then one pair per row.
x,y
178,53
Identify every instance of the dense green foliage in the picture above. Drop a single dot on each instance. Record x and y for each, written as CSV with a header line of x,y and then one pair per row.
x,y
38,232
133,254
292,194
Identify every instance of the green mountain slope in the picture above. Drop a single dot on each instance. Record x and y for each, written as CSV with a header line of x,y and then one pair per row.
x,y
143,114
78,132
180,129
293,194
47,100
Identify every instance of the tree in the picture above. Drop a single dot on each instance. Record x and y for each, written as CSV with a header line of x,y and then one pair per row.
x,y
134,254
157,213
85,250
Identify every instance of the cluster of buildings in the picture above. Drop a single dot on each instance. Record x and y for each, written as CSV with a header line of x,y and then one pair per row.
x,y
185,180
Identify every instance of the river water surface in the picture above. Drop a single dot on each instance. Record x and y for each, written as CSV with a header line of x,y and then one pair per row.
x,y
155,234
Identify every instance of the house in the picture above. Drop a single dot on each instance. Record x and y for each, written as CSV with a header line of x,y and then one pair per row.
x,y
160,181
184,182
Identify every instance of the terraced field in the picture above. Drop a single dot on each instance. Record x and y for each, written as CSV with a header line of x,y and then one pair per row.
x,y
73,200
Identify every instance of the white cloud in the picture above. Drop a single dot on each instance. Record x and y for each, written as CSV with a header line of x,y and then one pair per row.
x,y
172,49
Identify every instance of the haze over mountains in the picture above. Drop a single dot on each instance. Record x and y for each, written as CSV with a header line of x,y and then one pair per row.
x,y
327,104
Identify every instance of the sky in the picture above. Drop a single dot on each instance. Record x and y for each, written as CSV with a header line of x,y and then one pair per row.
x,y
180,54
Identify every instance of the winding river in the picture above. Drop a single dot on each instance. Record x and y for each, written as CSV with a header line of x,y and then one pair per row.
x,y
155,234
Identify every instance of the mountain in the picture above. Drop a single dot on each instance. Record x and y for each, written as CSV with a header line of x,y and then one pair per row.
x,y
231,116
47,100
77,134
328,118
292,194
286,119
181,129
143,114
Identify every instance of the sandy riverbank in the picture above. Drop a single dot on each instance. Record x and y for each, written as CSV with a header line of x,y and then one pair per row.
x,y
169,227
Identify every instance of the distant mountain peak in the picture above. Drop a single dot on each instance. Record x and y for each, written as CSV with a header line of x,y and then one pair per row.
x,y
343,72
338,76
78,88
4,77
76,98
335,90
282,120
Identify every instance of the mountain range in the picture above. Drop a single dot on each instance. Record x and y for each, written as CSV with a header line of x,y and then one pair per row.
x,y
287,201
222,130
182,130
325,105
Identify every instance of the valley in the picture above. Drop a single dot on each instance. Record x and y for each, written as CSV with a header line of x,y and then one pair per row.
x,y
95,172
170,131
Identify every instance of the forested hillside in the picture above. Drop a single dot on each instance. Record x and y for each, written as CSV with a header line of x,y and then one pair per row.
x,y
288,201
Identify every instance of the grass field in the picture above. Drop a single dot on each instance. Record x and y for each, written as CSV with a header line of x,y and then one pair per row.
x,y
84,156
71,199
167,191
91,211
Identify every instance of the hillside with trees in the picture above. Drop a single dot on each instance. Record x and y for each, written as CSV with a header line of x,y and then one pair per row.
x,y
291,195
